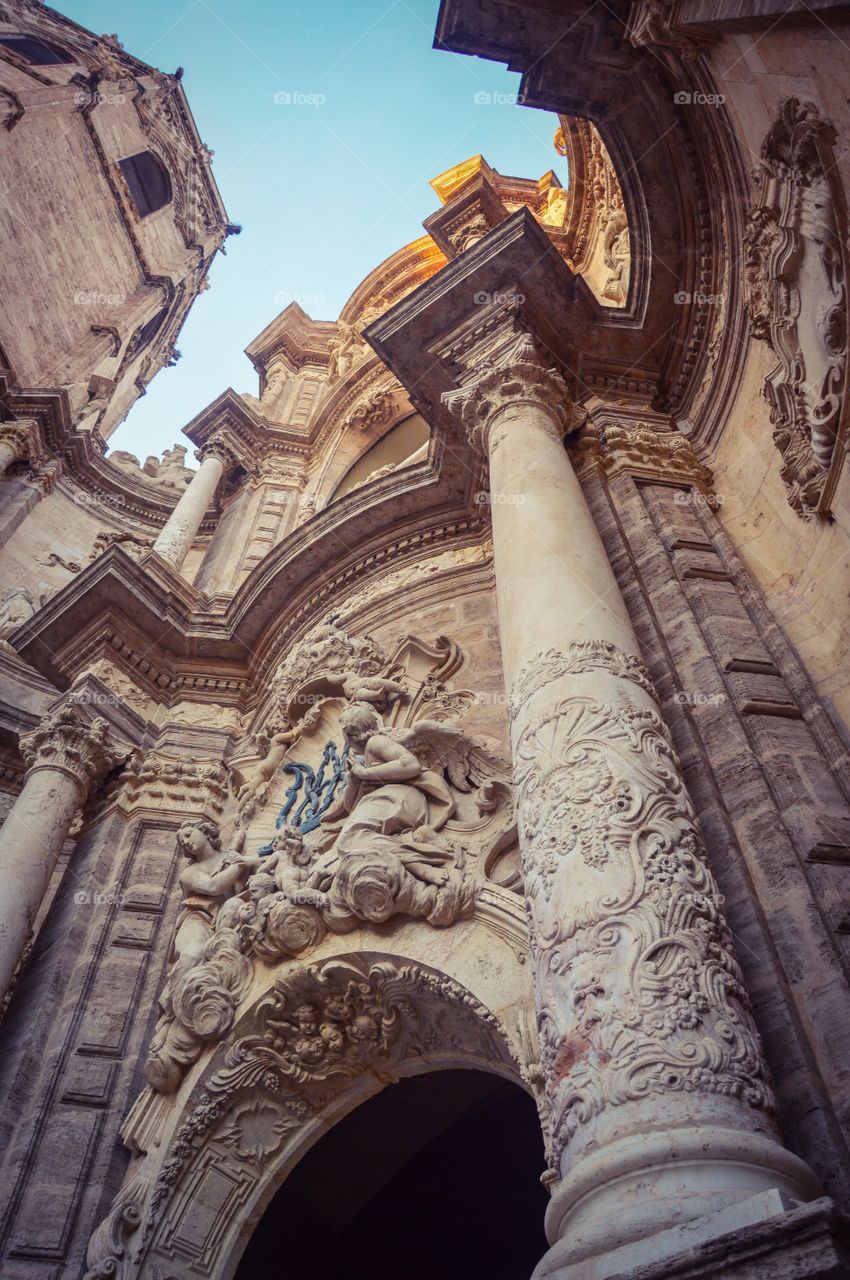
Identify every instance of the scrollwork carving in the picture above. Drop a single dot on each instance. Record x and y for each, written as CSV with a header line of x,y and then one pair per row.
x,y
639,990
581,657
796,295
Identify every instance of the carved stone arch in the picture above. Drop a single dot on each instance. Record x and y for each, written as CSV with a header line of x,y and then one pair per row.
x,y
319,1042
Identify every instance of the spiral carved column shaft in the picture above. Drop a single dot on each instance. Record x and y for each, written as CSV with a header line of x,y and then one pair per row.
x,y
660,1107
65,758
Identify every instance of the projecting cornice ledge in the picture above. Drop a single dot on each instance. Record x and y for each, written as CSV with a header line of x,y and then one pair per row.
x,y
156,614
513,275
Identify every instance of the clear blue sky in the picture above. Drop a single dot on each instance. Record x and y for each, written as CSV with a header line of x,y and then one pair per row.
x,y
324,190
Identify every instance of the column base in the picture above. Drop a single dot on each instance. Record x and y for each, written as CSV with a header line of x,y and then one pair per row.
x,y
639,1188
767,1235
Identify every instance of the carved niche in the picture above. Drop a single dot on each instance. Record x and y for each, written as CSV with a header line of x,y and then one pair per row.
x,y
796,296
384,810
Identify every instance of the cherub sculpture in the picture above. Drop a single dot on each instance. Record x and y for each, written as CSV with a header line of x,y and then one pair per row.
x,y
378,690
257,777
291,863
391,854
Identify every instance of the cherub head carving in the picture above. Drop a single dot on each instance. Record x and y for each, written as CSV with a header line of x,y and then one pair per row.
x,y
358,722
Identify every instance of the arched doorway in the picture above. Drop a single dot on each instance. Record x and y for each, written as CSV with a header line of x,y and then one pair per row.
x,y
437,1175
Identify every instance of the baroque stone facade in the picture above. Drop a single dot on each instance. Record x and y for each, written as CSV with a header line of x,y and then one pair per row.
x,y
468,729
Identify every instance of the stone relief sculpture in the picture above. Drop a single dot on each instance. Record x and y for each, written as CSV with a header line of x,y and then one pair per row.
x,y
171,471
318,1027
796,296
17,605
608,798
208,972
392,815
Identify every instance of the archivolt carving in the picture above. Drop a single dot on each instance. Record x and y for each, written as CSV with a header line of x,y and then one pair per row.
x,y
796,294
638,988
298,1051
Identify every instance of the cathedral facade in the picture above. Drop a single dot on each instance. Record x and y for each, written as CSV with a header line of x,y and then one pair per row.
x,y
426,822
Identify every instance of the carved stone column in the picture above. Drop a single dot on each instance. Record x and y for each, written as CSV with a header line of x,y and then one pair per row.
x,y
660,1110
16,440
65,758
182,525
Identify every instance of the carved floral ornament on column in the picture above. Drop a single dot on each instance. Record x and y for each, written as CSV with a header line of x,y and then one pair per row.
x,y
640,991
389,812
795,276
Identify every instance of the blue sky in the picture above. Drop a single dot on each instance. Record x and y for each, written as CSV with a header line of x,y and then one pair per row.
x,y
324,189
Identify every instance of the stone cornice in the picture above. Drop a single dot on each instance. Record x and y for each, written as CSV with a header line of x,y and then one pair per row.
x,y
127,501
425,508
512,280
682,198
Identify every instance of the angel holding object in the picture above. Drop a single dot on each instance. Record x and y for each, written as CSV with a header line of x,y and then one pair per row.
x,y
392,802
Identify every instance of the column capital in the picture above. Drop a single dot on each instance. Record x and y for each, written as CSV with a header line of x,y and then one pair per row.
x,y
218,448
63,741
639,442
20,436
283,469
519,375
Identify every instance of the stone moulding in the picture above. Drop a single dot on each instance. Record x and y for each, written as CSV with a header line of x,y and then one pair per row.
x,y
304,1054
795,268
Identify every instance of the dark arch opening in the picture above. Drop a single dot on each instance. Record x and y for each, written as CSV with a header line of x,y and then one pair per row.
x,y
147,180
35,51
437,1175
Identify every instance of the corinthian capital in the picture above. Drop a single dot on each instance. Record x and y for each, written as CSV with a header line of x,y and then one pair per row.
x,y
65,742
19,436
217,448
519,376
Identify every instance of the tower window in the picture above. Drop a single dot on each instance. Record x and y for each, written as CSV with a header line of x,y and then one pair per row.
x,y
146,333
147,180
35,51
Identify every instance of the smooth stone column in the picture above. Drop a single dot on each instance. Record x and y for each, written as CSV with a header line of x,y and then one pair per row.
x,y
15,442
65,758
178,533
660,1109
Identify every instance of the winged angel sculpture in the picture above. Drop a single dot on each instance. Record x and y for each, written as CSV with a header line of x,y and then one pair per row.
x,y
416,810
